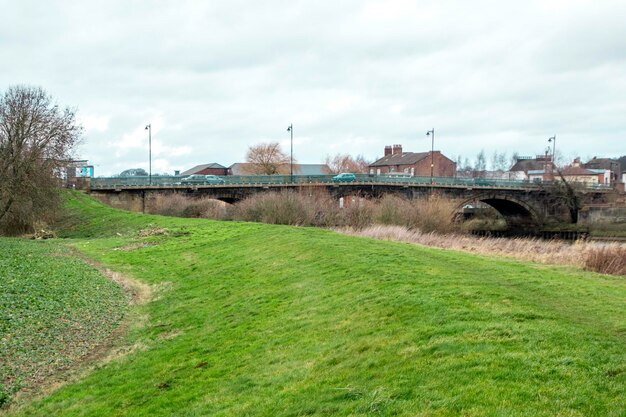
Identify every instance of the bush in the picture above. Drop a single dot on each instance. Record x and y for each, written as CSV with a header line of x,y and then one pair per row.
x,y
317,209
606,260
178,205
432,215
277,208
391,210
358,214
169,205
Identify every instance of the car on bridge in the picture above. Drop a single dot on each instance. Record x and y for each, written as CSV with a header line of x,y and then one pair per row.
x,y
202,179
344,177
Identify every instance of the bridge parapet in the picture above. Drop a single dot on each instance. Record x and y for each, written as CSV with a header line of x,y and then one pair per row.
x,y
296,180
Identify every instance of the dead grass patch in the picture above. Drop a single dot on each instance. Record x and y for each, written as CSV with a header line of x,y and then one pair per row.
x,y
153,231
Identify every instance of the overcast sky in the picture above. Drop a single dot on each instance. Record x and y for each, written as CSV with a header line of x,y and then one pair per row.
x,y
214,77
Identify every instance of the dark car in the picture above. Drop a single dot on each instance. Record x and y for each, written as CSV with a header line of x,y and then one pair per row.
x,y
202,179
344,177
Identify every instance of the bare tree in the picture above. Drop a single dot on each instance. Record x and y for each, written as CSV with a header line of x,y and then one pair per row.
x,y
268,159
480,166
36,139
346,163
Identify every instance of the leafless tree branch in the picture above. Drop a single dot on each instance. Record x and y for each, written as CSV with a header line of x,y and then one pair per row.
x,y
36,136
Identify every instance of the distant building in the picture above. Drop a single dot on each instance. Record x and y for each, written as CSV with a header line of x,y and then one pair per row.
x,y
576,173
413,163
534,175
527,166
246,168
609,164
75,173
494,175
206,169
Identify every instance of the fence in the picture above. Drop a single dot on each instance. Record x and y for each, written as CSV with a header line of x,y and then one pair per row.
x,y
264,180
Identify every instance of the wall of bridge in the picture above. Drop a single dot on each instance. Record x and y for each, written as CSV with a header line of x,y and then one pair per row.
x,y
541,207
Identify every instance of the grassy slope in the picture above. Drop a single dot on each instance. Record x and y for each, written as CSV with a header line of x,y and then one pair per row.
x,y
255,319
53,309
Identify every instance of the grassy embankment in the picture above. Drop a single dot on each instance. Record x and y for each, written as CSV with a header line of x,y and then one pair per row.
x,y
252,319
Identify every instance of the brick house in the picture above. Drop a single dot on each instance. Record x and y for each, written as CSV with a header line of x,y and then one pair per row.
x,y
413,163
609,164
577,173
529,168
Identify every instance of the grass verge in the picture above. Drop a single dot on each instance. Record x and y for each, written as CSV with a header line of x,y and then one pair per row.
x,y
265,320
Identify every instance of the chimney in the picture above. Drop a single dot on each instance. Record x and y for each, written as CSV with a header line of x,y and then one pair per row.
x,y
397,149
387,150
576,162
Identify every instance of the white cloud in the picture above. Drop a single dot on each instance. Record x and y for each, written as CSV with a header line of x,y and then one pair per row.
x,y
94,123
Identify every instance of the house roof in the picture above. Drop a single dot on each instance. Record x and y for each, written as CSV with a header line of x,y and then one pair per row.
x,y
597,171
312,169
577,171
199,168
243,168
404,158
603,163
527,165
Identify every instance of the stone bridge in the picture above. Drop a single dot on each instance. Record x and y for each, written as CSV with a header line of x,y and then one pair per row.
x,y
530,207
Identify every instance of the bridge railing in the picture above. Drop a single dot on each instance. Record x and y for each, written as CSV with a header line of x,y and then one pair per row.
x,y
256,180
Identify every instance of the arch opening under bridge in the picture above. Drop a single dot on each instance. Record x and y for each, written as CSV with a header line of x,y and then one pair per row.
x,y
517,214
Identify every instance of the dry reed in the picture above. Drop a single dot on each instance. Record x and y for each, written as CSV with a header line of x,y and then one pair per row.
x,y
177,205
607,258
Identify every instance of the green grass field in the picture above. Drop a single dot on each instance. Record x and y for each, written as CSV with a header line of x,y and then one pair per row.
x,y
259,320
54,309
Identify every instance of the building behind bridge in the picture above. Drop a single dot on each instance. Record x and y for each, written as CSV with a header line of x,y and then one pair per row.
x,y
413,163
245,168
606,164
206,169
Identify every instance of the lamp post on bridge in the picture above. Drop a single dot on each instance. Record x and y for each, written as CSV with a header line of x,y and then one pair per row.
x,y
431,133
553,141
149,129
290,130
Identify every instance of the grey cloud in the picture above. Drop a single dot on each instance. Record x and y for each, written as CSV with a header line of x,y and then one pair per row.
x,y
352,76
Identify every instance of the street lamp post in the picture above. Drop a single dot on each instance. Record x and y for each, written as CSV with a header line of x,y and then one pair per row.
x,y
431,133
553,140
149,129
290,130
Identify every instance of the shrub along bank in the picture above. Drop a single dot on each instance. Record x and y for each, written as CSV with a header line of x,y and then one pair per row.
x,y
318,209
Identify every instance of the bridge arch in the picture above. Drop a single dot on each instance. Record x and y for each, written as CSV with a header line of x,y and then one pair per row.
x,y
515,212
